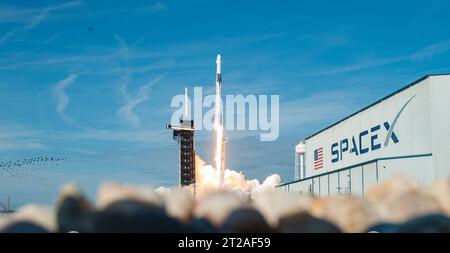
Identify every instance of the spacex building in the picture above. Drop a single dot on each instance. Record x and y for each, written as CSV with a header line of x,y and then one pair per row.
x,y
406,133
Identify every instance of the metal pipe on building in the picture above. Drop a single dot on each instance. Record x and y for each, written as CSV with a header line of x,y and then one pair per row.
x,y
300,169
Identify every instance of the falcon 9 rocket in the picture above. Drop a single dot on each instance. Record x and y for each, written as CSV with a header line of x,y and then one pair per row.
x,y
218,123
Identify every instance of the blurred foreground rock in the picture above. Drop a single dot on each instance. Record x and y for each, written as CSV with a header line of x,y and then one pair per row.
x,y
42,218
303,222
351,214
74,211
23,227
399,199
110,192
217,206
246,220
180,205
275,204
440,190
131,216
396,205
435,223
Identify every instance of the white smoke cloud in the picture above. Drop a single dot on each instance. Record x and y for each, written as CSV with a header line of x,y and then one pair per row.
x,y
208,179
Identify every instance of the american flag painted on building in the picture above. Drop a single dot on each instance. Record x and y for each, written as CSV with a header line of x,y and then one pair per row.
x,y
318,158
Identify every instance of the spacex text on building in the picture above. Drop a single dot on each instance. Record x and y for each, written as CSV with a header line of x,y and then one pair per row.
x,y
360,145
366,141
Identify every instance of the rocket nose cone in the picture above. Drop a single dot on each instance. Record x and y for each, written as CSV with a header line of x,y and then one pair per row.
x,y
219,65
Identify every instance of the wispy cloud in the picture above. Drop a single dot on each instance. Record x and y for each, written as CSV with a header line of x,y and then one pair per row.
x,y
423,53
82,151
19,137
18,14
17,145
62,100
126,111
156,7
30,17
15,14
150,136
432,50
319,107
137,10
359,66
166,56
43,42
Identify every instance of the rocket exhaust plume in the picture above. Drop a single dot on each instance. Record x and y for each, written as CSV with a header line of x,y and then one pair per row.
x,y
207,179
201,178
218,127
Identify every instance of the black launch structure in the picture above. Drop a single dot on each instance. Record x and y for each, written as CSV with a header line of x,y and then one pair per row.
x,y
184,135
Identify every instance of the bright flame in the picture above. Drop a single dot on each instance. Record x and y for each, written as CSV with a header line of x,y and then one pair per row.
x,y
219,152
219,131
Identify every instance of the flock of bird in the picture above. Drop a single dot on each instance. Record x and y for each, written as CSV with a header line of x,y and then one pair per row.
x,y
23,168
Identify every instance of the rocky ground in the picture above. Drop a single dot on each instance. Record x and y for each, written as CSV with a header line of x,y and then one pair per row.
x,y
395,205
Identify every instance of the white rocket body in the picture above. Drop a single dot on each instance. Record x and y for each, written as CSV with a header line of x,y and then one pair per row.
x,y
220,139
218,104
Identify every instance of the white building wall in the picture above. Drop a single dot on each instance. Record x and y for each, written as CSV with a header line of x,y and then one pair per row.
x,y
357,181
441,124
412,129
420,169
422,153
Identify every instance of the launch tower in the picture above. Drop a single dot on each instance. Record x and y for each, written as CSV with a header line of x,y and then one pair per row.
x,y
184,135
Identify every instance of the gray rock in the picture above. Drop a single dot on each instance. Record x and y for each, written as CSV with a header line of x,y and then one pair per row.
x,y
303,222
23,227
129,216
74,213
435,223
202,225
246,220
383,228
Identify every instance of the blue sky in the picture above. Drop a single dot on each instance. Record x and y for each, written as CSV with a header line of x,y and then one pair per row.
x,y
93,80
